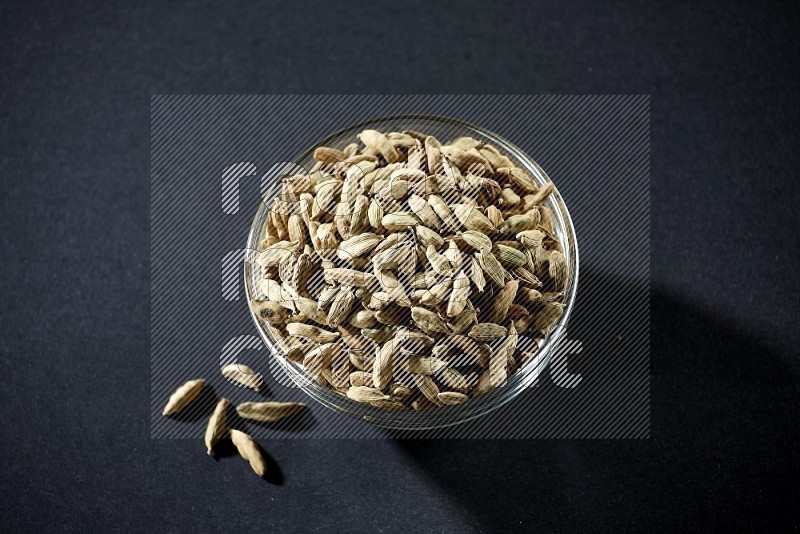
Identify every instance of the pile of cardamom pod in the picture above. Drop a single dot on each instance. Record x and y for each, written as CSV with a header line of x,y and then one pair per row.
x,y
406,274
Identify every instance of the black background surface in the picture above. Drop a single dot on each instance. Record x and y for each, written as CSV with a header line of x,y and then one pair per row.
x,y
74,148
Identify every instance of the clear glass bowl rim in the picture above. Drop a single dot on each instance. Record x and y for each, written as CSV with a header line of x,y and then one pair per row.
x,y
474,408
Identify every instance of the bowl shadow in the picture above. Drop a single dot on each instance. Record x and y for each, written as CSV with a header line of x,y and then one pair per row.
x,y
721,452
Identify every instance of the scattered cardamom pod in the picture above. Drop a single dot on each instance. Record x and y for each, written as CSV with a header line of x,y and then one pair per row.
x,y
217,424
183,396
268,411
249,450
244,375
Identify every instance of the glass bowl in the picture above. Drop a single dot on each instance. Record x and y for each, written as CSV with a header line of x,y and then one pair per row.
x,y
444,129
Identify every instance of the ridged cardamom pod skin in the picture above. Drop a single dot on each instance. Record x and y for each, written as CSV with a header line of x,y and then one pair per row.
x,y
382,369
183,396
476,240
366,394
400,271
360,378
451,398
491,266
329,155
241,374
217,424
428,388
249,450
268,411
487,332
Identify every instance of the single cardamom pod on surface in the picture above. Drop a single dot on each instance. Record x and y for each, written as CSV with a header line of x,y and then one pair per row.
x,y
244,375
183,396
217,424
268,411
249,450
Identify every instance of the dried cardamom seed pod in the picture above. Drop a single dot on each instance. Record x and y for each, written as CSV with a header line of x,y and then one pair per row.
x,y
438,292
439,262
310,309
526,276
428,388
499,308
217,424
328,155
243,375
183,396
341,306
420,207
319,358
382,368
547,219
518,223
509,256
365,394
531,239
352,337
271,312
374,139
484,384
296,229
454,380
508,198
451,398
519,178
428,237
389,404
276,253
433,154
487,332
303,269
541,195
268,411
326,296
491,267
465,319
476,274
400,391
494,157
558,270
472,219
454,256
424,365
362,319
364,360
459,295
378,335
360,378
360,221
476,240
375,215
400,221
495,216
443,211
350,277
498,363
549,315
249,450
312,333
429,321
